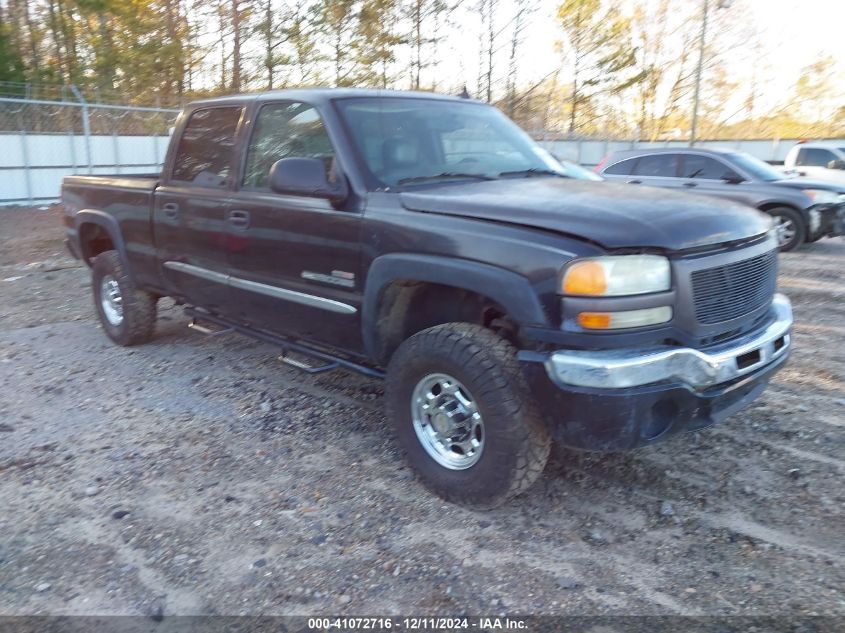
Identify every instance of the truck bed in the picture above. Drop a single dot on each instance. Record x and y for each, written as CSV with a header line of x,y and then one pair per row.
x,y
120,205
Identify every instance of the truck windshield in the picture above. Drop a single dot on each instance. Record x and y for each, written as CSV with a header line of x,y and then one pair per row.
x,y
759,169
409,142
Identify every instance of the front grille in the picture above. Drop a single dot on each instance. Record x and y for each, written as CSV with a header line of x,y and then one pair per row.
x,y
727,292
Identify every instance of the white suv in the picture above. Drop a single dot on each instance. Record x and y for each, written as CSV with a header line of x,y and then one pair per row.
x,y
824,160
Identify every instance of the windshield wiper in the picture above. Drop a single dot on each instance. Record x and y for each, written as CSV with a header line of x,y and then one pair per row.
x,y
443,176
533,171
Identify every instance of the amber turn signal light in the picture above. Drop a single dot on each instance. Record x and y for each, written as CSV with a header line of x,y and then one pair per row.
x,y
585,278
626,319
594,320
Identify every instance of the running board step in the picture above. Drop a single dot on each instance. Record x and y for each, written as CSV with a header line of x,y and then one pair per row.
x,y
208,331
308,369
288,345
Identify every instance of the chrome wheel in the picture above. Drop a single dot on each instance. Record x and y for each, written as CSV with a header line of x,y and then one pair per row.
x,y
447,421
785,228
111,300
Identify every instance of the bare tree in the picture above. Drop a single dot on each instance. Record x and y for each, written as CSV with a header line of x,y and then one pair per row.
x,y
524,8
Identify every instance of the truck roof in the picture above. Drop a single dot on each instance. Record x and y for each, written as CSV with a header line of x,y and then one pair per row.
x,y
323,95
827,143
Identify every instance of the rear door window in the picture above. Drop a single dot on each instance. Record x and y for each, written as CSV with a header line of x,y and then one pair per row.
x,y
205,155
703,167
657,166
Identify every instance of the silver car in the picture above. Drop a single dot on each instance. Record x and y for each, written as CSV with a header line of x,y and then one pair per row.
x,y
804,210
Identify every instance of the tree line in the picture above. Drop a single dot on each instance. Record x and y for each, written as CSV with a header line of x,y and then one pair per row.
x,y
623,69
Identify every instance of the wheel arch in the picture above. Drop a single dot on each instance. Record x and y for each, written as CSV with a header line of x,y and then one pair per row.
x,y
93,226
771,205
395,281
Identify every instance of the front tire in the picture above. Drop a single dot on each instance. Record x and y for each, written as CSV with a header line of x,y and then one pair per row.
x,y
791,231
464,415
128,315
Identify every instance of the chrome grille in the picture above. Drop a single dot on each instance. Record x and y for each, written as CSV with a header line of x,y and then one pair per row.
x,y
730,291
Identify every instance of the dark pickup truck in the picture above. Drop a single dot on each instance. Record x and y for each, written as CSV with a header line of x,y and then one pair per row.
x,y
429,241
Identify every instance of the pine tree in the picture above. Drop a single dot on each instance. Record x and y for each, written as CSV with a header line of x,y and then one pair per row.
x,y
11,62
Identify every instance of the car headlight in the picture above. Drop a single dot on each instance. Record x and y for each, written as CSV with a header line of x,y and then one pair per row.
x,y
616,275
823,196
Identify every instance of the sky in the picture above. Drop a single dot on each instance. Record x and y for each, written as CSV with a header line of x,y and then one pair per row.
x,y
800,31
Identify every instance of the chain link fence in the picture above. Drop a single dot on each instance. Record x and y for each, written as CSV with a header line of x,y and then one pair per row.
x,y
43,140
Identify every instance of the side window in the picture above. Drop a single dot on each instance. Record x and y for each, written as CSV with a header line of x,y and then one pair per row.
x,y
698,166
622,168
814,157
285,130
205,152
657,165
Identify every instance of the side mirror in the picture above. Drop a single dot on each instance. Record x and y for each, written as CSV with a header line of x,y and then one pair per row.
x,y
836,164
305,177
732,178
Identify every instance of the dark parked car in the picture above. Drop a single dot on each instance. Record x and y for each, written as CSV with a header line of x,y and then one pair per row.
x,y
804,210
429,241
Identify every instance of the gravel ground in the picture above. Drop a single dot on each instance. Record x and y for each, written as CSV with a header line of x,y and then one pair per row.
x,y
198,475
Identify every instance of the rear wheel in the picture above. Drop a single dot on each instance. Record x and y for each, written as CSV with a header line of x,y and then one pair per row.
x,y
790,228
463,414
128,315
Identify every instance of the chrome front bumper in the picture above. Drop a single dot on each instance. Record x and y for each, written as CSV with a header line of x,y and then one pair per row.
x,y
698,369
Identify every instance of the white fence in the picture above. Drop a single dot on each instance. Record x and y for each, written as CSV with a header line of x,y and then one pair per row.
x,y
32,166
43,141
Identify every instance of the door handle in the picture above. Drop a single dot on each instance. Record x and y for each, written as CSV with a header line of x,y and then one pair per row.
x,y
635,182
239,219
171,210
690,184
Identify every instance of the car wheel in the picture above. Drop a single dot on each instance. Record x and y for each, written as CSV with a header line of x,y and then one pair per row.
x,y
128,315
464,415
790,228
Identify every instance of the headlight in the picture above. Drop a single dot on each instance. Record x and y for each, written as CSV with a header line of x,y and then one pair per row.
x,y
822,196
616,276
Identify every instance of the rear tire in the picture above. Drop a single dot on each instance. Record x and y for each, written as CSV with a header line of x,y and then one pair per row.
x,y
791,230
464,415
128,315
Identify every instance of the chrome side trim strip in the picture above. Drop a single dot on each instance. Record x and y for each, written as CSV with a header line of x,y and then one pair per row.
x,y
196,271
271,291
291,295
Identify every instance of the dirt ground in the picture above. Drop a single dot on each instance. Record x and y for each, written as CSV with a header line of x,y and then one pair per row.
x,y
198,475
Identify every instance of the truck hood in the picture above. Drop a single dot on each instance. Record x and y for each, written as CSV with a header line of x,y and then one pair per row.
x,y
613,215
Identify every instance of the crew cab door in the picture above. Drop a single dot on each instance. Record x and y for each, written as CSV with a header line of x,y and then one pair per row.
x,y
189,208
294,260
